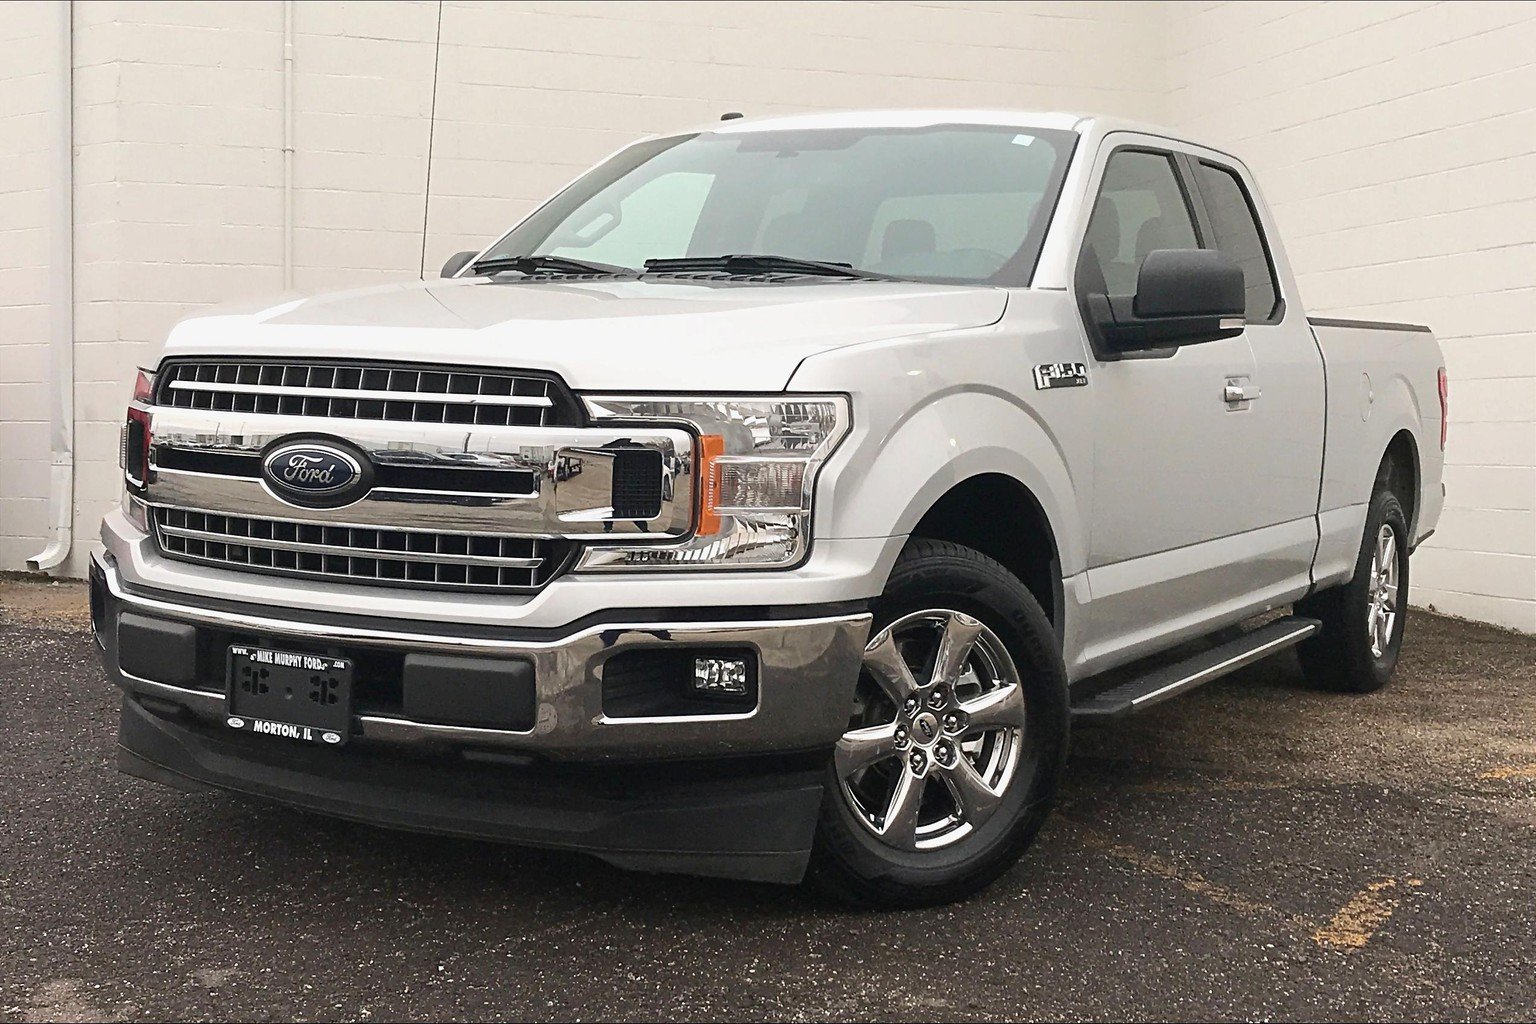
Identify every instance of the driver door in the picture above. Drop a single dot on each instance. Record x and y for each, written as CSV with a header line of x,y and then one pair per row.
x,y
1176,465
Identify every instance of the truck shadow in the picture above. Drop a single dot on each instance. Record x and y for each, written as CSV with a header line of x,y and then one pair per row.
x,y
304,856
1261,728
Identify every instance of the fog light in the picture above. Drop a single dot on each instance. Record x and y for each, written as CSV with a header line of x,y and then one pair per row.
x,y
722,676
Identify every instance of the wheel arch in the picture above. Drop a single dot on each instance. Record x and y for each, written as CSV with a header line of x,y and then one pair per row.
x,y
968,513
977,467
1399,470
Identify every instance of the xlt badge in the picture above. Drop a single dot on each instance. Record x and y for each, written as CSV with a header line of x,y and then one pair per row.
x,y
1061,375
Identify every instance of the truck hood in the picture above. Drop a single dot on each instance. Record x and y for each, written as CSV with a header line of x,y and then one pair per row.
x,y
641,335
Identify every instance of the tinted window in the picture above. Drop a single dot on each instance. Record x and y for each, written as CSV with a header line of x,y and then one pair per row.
x,y
947,202
1140,208
1238,235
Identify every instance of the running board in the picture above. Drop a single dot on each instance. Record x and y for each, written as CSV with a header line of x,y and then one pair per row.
x,y
1172,680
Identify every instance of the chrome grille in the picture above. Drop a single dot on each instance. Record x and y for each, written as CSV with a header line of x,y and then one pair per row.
x,y
409,393
411,558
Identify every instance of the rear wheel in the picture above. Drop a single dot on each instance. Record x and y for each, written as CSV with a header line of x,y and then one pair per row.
x,y
956,740
1363,620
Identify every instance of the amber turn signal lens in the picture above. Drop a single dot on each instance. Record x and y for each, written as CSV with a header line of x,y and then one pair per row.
x,y
711,447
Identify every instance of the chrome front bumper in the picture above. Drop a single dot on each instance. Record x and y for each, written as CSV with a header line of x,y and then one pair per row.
x,y
807,668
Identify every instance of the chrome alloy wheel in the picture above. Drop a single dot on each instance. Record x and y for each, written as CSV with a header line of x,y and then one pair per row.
x,y
938,731
1381,598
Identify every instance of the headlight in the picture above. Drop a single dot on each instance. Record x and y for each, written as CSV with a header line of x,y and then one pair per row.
x,y
757,463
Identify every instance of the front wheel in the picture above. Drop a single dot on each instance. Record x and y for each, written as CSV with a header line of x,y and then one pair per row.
x,y
1363,620
956,740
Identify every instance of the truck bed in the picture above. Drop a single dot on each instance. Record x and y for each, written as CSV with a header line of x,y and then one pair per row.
x,y
1382,380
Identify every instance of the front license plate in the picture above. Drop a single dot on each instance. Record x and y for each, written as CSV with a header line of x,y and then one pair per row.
x,y
304,697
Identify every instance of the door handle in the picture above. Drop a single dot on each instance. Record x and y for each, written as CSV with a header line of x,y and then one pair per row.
x,y
1234,392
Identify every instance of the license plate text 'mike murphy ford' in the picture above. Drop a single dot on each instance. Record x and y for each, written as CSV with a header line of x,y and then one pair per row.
x,y
308,662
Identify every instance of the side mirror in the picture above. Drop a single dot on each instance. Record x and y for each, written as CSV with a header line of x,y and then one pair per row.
x,y
457,262
1183,297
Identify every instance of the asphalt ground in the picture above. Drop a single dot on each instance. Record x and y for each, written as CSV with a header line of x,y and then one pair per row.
x,y
1254,850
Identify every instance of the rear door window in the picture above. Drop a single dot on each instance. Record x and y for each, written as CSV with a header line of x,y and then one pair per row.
x,y
1236,227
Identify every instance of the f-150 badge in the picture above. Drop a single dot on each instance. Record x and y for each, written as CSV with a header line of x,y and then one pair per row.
x,y
1061,375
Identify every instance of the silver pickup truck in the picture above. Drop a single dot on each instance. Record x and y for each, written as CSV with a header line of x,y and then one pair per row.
x,y
768,503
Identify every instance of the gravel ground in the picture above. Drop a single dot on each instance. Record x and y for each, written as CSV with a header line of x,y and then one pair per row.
x,y
1253,850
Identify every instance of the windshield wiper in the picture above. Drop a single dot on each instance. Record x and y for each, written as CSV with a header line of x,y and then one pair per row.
x,y
755,263
546,265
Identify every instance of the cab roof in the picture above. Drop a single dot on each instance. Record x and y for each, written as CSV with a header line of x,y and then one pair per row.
x,y
921,118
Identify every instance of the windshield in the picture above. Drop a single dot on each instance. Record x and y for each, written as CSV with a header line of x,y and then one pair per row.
x,y
943,203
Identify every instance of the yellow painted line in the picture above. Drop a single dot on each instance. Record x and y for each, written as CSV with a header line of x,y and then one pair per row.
x,y
1191,881
1352,927
1511,772
1359,919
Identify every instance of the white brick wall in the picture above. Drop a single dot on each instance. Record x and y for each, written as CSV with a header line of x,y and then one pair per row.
x,y
1391,140
1394,144
179,129
529,95
26,90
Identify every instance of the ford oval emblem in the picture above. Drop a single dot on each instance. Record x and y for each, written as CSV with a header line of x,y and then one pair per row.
x,y
315,473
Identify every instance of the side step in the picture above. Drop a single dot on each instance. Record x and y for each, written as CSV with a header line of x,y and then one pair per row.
x,y
1172,680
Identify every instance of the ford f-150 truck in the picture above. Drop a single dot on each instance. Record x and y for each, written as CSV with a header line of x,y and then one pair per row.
x,y
768,503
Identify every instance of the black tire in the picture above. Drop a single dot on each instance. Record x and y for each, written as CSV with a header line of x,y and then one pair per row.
x,y
1340,656
854,866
